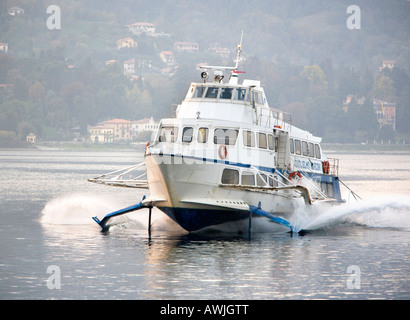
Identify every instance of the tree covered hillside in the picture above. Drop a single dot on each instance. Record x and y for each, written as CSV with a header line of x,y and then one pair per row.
x,y
309,61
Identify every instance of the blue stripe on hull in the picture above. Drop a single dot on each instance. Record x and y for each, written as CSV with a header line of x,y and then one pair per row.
x,y
196,219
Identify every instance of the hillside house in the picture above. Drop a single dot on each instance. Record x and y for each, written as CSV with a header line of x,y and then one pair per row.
x,y
385,112
387,64
109,62
129,66
167,57
352,101
126,43
139,28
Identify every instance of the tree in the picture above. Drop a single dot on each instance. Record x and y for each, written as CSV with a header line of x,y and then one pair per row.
x,y
383,89
317,80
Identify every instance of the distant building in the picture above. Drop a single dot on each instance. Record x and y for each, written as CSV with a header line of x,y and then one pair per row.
x,y
139,28
126,43
122,129
186,47
167,57
352,101
109,62
144,125
101,134
15,11
115,130
129,66
31,138
387,64
4,47
385,112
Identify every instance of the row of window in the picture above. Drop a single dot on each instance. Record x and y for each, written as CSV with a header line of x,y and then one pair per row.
x,y
247,178
250,139
308,149
221,135
263,140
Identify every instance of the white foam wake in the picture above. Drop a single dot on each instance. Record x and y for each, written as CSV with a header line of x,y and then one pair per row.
x,y
78,209
381,212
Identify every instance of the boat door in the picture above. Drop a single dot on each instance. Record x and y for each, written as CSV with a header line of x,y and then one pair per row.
x,y
283,150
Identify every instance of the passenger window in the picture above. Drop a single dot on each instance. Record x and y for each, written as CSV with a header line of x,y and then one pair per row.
x,y
226,93
292,146
199,92
305,148
168,134
225,136
230,176
298,149
262,140
187,134
311,150
239,94
248,178
203,135
248,139
212,92
271,142
261,179
317,151
273,182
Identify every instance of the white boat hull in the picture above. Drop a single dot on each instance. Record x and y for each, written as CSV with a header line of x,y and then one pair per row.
x,y
192,195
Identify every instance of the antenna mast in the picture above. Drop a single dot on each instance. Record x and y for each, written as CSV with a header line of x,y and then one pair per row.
x,y
238,52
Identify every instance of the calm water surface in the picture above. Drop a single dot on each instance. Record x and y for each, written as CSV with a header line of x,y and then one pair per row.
x,y
46,231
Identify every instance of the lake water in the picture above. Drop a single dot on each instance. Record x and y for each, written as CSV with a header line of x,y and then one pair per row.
x,y
50,248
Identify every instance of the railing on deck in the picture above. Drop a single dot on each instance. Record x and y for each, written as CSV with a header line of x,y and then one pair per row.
x,y
274,118
334,166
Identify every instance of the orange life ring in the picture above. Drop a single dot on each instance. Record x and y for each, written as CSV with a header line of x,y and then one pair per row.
x,y
326,167
146,148
223,151
293,174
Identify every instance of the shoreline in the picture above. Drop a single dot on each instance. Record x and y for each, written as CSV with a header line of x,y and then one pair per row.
x,y
364,148
72,146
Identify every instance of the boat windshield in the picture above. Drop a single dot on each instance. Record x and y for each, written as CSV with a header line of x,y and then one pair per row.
x,y
218,92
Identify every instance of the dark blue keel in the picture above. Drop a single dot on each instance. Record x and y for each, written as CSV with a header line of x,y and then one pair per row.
x,y
104,221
